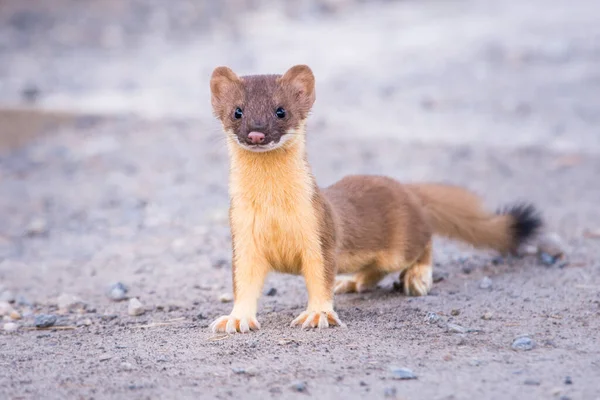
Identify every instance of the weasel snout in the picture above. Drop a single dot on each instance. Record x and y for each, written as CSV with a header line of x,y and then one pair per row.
x,y
255,138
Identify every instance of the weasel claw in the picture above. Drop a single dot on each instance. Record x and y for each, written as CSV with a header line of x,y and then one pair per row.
x,y
319,320
231,324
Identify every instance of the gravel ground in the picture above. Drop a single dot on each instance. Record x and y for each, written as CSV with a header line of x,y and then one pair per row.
x,y
129,201
104,197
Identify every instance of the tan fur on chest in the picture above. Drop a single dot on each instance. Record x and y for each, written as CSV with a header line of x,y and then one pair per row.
x,y
272,215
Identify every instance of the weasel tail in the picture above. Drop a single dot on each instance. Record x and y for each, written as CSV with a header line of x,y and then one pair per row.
x,y
456,213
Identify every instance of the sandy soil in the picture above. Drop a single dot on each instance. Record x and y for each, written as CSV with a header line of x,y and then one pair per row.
x,y
106,197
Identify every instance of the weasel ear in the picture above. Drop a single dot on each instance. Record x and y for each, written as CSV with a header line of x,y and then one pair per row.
x,y
301,80
224,83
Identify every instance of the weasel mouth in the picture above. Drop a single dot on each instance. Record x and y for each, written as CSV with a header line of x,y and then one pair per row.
x,y
277,143
259,148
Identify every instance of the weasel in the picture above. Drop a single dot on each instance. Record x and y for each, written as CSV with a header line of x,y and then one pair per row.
x,y
368,226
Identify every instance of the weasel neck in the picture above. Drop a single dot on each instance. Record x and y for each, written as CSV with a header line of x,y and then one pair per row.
x,y
280,178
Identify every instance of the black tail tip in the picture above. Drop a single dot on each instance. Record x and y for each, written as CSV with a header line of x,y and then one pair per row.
x,y
527,222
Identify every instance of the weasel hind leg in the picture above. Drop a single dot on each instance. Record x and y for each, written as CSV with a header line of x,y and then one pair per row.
x,y
418,279
363,281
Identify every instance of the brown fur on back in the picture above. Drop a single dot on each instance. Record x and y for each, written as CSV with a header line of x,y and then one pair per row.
x,y
377,221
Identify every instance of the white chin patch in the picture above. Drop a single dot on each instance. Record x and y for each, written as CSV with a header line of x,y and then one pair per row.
x,y
267,147
260,148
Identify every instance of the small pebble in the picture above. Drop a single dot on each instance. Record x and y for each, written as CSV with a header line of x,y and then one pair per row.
x,y
84,322
523,343
44,320
455,312
26,312
68,302
226,298
272,292
485,283
250,371
37,227
498,260
467,269
402,373
135,307
117,292
439,276
10,327
532,382
527,250
568,380
298,386
22,301
363,383
551,244
454,328
7,296
125,366
432,318
547,259
390,393
14,315
487,316
5,308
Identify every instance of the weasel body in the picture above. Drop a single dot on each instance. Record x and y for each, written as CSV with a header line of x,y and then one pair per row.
x,y
365,225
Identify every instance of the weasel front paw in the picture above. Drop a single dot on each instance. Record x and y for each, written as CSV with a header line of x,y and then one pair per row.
x,y
231,324
315,319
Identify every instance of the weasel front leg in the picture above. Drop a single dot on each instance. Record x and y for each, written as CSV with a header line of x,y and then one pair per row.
x,y
249,273
319,274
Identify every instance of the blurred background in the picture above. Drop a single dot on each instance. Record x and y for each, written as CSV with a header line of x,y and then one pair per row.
x,y
507,73
107,134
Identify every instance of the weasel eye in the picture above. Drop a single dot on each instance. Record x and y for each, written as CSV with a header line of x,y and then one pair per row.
x,y
237,114
280,112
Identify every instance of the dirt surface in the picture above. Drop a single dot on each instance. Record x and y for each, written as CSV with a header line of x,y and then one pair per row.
x,y
106,197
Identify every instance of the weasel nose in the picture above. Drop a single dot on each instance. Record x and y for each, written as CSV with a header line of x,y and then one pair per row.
x,y
256,137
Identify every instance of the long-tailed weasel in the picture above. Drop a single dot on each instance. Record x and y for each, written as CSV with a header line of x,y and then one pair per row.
x,y
366,225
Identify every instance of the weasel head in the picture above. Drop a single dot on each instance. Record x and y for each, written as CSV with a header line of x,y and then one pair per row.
x,y
262,113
